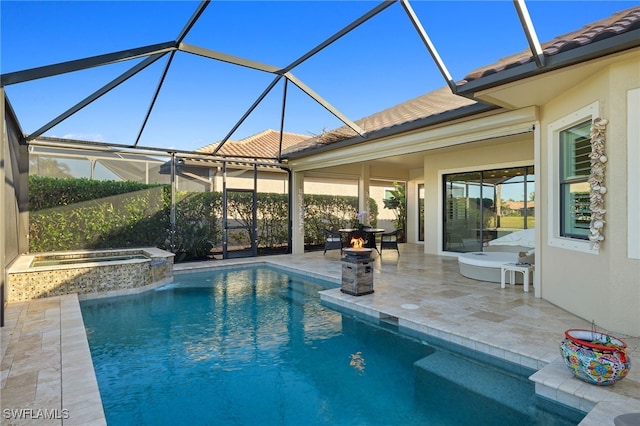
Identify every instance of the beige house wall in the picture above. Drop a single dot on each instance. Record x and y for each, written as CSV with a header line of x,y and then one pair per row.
x,y
602,286
512,151
416,177
342,183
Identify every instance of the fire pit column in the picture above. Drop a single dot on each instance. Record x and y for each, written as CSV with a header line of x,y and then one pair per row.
x,y
357,272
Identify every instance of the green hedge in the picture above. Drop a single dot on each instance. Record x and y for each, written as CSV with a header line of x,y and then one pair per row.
x,y
331,212
47,192
71,214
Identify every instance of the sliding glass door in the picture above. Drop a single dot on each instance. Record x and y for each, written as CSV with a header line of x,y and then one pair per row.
x,y
462,215
484,205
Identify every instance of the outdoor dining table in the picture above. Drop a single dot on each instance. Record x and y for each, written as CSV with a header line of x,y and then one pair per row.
x,y
371,235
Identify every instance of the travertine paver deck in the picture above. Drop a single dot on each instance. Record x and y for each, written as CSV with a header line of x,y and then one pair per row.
x,y
46,362
47,372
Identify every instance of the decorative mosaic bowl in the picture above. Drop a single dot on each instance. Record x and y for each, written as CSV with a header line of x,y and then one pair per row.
x,y
595,358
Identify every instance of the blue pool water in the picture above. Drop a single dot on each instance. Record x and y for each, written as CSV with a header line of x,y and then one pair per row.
x,y
255,346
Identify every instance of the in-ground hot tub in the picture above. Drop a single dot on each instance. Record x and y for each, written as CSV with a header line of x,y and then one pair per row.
x,y
90,273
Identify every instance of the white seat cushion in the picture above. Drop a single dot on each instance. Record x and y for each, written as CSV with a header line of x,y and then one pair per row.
x,y
488,259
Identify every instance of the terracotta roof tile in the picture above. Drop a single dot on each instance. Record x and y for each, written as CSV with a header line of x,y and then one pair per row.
x,y
261,145
430,104
618,23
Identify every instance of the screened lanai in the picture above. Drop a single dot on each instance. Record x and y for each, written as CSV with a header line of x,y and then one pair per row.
x,y
165,60
120,103
471,138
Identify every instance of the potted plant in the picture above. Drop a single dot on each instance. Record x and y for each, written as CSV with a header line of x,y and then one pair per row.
x,y
594,357
397,202
360,220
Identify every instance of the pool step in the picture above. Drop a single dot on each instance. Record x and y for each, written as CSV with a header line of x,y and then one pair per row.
x,y
297,293
446,369
388,322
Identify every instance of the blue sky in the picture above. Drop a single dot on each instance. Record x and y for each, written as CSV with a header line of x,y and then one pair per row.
x,y
378,65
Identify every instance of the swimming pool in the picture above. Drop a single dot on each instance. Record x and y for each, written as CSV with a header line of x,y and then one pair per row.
x,y
255,346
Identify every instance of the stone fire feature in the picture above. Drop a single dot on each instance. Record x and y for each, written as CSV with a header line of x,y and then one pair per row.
x,y
357,272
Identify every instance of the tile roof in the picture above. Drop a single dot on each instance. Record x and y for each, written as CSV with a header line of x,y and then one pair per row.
x,y
618,23
427,105
265,144
443,101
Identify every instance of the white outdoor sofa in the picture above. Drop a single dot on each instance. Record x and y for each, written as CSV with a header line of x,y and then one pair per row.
x,y
512,248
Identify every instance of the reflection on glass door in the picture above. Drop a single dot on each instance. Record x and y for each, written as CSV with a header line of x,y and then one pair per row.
x,y
421,212
485,205
461,215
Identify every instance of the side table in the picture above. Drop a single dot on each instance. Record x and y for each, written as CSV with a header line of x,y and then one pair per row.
x,y
512,268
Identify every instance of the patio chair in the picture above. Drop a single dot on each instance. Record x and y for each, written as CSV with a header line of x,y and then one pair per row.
x,y
332,240
389,240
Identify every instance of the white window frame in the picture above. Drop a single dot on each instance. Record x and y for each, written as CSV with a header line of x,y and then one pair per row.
x,y
553,138
633,173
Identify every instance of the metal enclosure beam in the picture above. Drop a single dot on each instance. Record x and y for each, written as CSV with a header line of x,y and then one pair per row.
x,y
427,42
4,141
224,57
361,20
192,21
246,114
530,32
155,97
282,114
95,95
306,89
82,64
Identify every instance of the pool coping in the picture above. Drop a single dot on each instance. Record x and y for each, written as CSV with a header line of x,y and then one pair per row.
x,y
54,375
80,392
23,262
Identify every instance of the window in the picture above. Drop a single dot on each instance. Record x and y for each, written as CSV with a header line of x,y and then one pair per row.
x,y
569,212
575,214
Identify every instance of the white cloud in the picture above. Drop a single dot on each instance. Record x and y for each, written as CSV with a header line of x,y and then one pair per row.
x,y
96,137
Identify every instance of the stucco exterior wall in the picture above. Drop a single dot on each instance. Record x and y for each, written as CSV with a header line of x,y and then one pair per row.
x,y
513,151
416,177
602,286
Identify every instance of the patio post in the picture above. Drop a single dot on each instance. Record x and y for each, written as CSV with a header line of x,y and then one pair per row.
x,y
172,213
297,212
363,192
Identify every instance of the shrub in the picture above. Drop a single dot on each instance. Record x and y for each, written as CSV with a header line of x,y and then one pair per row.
x,y
72,214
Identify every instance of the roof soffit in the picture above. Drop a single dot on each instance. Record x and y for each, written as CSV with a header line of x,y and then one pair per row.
x,y
540,89
491,125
